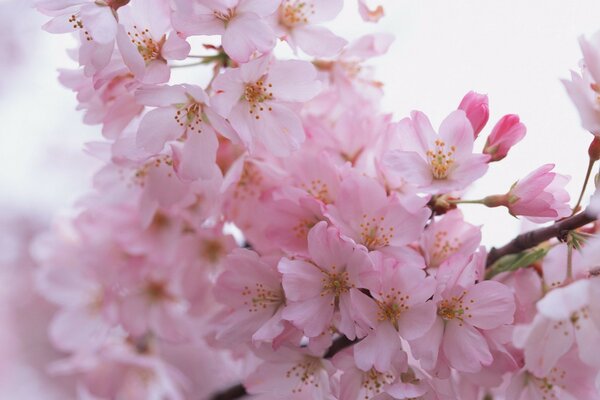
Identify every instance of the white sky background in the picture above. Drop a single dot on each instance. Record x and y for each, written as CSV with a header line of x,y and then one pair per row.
x,y
514,50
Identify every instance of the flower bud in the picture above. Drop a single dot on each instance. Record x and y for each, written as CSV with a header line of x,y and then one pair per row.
x,y
594,149
476,107
506,133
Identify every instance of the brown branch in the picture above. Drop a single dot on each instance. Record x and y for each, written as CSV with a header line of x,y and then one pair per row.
x,y
238,391
531,239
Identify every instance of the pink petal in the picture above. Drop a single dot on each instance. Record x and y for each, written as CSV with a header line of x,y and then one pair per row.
x,y
246,34
293,80
417,320
465,348
156,128
490,303
318,41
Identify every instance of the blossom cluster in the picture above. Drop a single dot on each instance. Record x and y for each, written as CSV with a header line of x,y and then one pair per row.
x,y
278,216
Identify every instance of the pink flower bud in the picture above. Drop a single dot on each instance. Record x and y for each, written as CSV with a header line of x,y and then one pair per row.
x,y
506,133
540,196
476,107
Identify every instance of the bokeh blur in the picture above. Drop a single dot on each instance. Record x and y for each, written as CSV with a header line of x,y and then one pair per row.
x,y
515,51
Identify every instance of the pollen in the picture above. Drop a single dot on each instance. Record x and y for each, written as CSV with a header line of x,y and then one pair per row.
x,y
249,183
443,247
189,115
148,48
373,382
391,306
78,25
335,282
256,94
260,297
295,12
306,372
441,159
373,232
224,16
455,308
318,189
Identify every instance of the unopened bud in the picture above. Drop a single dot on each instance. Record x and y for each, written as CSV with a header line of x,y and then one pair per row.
x,y
476,107
506,133
594,149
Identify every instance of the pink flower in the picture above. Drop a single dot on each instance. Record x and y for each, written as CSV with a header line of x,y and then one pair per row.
x,y
564,318
250,288
95,20
146,40
154,303
356,384
447,236
257,99
569,380
370,15
294,374
584,89
240,22
505,134
296,25
465,310
370,217
399,308
476,107
318,289
182,114
437,163
540,196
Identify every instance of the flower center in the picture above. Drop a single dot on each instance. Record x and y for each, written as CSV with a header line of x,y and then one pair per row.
x,y
443,247
295,12
454,308
190,115
224,16
373,382
78,24
261,297
256,94
318,189
373,234
335,282
391,306
306,372
440,159
148,48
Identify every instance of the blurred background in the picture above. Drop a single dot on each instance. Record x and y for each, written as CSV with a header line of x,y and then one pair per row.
x,y
515,51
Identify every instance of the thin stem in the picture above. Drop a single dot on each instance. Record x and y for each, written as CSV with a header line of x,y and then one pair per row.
x,y
188,65
585,182
569,262
480,201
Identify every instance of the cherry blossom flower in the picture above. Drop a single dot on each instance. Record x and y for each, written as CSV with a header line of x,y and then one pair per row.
x,y
297,21
447,236
146,40
563,319
569,379
182,114
506,133
240,22
476,107
315,289
368,14
584,88
256,99
373,219
540,196
437,163
291,374
398,309
250,288
464,311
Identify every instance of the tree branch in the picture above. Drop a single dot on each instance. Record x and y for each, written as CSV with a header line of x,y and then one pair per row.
x,y
238,391
531,239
